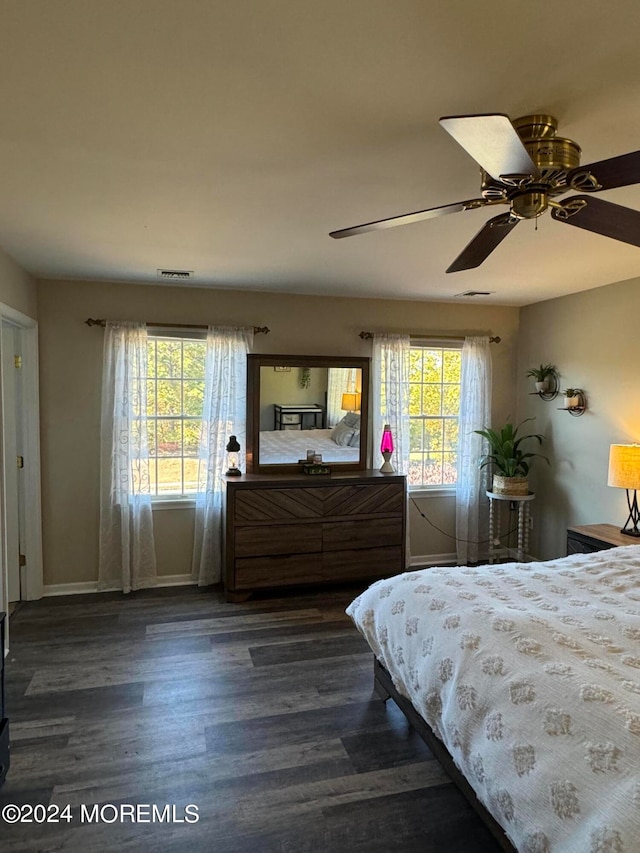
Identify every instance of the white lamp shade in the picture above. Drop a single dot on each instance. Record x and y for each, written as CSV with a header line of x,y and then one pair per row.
x,y
624,466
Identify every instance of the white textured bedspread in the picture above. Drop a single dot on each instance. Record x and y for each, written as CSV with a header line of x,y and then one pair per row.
x,y
530,675
290,445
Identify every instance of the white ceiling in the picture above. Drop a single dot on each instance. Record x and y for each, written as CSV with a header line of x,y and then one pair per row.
x,y
229,137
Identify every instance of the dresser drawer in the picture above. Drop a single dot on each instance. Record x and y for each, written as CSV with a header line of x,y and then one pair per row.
x,y
584,545
266,539
277,504
361,533
317,502
363,563
381,499
281,570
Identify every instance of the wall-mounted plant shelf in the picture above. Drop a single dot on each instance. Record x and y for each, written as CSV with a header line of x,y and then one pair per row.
x,y
551,384
578,403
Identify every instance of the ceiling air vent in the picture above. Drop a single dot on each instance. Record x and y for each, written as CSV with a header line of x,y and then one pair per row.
x,y
175,275
475,293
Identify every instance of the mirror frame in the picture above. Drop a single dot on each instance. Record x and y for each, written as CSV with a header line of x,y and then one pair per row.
x,y
255,361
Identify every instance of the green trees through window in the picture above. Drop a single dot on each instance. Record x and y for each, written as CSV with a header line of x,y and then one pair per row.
x,y
175,396
434,406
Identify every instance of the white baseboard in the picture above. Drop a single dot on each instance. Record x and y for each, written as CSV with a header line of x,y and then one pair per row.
x,y
69,588
175,580
92,586
426,560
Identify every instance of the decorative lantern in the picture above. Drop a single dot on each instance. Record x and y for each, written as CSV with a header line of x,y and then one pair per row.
x,y
233,457
386,448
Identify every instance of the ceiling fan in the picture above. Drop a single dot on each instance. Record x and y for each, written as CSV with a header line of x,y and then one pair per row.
x,y
524,165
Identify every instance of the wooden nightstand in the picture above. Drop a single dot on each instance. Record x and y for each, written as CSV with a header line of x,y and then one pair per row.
x,y
596,537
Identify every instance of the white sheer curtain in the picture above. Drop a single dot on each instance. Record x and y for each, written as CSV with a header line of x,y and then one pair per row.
x,y
472,513
391,401
340,380
224,414
126,547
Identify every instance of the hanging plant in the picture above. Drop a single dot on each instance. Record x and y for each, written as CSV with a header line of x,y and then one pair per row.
x,y
305,377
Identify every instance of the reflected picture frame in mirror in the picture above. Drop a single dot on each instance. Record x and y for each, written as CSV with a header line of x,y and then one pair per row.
x,y
262,407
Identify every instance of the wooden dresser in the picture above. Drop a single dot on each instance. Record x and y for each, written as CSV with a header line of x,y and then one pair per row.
x,y
287,530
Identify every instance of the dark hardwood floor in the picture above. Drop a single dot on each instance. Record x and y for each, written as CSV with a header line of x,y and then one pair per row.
x,y
261,714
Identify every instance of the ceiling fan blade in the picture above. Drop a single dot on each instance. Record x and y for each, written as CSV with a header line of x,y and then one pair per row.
x,y
492,141
488,237
608,174
601,217
408,218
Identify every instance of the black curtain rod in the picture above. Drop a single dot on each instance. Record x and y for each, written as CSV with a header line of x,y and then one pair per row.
x,y
367,336
257,330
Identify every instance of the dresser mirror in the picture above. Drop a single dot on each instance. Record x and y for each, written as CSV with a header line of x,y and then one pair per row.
x,y
306,408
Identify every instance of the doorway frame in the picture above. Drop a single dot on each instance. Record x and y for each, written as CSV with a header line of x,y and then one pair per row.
x,y
30,426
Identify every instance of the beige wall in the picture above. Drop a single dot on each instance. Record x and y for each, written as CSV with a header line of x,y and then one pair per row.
x,y
592,338
17,288
71,364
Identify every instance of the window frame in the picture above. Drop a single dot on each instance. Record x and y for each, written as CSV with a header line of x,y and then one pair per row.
x,y
446,490
186,500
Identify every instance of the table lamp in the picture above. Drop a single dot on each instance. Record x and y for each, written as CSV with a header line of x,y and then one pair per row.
x,y
624,473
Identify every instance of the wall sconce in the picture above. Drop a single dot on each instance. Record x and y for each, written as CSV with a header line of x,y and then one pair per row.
x,y
233,457
624,473
351,401
386,448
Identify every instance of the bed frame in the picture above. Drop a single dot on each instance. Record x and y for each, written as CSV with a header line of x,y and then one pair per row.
x,y
384,688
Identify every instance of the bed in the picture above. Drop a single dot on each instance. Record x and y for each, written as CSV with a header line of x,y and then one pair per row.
x,y
528,676
290,445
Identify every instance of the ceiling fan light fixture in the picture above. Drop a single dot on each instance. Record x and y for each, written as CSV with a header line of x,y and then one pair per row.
x,y
529,205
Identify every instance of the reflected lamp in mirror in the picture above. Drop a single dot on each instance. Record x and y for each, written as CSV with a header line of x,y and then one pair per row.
x,y
624,473
386,448
233,457
351,401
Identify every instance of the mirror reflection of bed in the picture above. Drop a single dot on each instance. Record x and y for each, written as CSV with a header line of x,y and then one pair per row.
x,y
308,411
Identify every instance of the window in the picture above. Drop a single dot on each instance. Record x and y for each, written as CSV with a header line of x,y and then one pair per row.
x,y
175,396
434,406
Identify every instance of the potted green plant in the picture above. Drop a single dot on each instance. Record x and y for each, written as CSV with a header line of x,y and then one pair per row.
x,y
541,375
571,398
509,460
